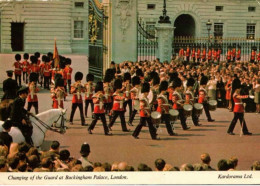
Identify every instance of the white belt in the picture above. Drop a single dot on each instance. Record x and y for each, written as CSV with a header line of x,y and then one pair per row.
x,y
238,103
120,102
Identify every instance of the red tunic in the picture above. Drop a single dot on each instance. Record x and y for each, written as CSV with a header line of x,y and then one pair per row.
x,y
144,108
90,88
204,54
46,70
209,54
238,54
198,53
188,52
175,98
32,97
170,90
202,95
35,68
233,52
98,103
56,104
76,91
118,102
25,66
163,105
238,107
193,53
181,53
126,89
108,92
17,68
258,56
229,55
253,55
68,71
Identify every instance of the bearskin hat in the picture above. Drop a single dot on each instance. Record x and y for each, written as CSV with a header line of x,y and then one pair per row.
x,y
25,56
139,72
33,59
90,77
118,84
59,82
99,86
236,84
203,80
68,61
145,88
17,57
44,58
37,54
47,59
163,86
190,82
136,80
173,76
176,83
33,77
127,76
78,76
109,75
156,80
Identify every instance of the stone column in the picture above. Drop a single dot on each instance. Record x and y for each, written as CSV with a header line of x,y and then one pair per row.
x,y
124,30
165,38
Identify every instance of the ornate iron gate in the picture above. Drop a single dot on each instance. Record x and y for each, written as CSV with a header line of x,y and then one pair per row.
x,y
147,44
96,17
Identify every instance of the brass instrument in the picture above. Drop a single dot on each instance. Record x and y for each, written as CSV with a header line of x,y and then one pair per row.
x,y
60,94
79,87
89,89
101,100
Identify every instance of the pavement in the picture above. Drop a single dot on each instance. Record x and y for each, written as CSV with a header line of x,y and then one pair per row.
x,y
176,150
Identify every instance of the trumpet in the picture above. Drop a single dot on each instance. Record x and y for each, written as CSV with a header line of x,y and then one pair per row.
x,y
78,87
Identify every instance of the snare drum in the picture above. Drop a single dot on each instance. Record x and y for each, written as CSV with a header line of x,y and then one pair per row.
x,y
173,114
187,110
198,109
156,118
213,105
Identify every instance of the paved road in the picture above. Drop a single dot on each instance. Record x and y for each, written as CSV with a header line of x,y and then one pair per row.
x,y
184,148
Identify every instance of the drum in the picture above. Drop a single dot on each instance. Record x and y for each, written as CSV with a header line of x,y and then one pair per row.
x,y
156,118
213,105
173,114
198,109
150,97
187,110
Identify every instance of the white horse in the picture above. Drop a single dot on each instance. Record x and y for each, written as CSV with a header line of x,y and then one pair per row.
x,y
41,122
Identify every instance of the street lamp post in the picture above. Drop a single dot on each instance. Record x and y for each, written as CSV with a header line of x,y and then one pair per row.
x,y
164,18
208,24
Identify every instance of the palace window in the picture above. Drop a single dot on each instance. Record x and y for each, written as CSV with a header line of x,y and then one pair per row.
x,y
218,30
78,29
251,9
79,4
150,28
150,6
219,8
250,31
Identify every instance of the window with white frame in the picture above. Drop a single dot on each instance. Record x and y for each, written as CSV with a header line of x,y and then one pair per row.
x,y
218,30
78,29
250,31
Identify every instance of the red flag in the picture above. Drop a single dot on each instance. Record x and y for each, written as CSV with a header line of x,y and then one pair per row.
x,y
56,56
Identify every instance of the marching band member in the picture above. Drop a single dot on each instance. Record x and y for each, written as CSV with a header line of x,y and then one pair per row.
x,y
188,54
233,54
189,99
209,55
18,69
68,71
34,67
99,111
239,53
198,55
218,55
58,94
193,52
203,57
228,55
145,114
163,107
26,66
89,87
203,97
118,108
46,70
253,54
32,96
178,102
108,92
126,89
238,109
155,90
135,91
76,89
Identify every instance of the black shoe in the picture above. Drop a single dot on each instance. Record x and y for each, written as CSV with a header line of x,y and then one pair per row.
x,y
156,138
130,124
127,130
89,131
187,128
198,124
84,124
248,133
108,134
231,133
173,134
211,120
136,137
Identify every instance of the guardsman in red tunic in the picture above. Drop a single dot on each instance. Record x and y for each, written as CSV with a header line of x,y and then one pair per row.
x,y
187,54
193,52
181,54
37,55
99,111
68,71
32,96
34,67
164,106
77,89
209,55
89,89
155,90
218,55
135,92
178,102
126,89
229,55
258,56
108,92
118,106
18,69
189,99
203,97
233,54
238,109
198,55
145,114
203,57
239,53
63,73
46,70
58,94
253,54
214,54
25,67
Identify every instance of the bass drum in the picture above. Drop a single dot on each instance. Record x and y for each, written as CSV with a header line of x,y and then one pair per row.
x,y
173,114
198,109
156,118
213,105
187,110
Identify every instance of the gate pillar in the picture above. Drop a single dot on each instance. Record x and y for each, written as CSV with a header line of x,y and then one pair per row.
x,y
165,38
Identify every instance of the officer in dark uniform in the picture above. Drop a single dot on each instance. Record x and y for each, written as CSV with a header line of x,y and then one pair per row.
x,y
10,86
4,136
19,116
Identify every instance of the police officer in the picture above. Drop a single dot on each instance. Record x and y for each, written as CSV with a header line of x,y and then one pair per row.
x,y
10,86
